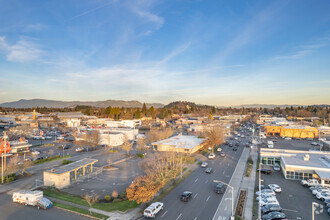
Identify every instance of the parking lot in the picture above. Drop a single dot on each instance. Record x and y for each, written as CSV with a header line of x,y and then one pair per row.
x,y
295,199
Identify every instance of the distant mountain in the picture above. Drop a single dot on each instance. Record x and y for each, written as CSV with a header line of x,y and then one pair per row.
x,y
32,103
271,106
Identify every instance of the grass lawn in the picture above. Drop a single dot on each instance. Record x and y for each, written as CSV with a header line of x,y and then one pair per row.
x,y
79,210
114,206
50,159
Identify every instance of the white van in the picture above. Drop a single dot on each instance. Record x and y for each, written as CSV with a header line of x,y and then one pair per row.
x,y
270,144
153,209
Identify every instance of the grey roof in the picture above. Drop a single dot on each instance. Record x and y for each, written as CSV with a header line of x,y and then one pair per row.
x,y
72,166
181,141
315,161
323,174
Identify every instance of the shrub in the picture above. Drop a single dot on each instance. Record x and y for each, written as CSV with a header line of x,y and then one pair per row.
x,y
250,160
107,197
64,162
117,200
140,155
10,179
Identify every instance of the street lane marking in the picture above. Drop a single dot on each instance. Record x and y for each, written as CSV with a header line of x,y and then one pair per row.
x,y
214,171
195,218
195,195
223,172
206,181
163,214
179,216
207,198
196,180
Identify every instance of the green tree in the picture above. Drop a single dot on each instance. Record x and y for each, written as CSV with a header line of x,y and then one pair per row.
x,y
137,114
144,109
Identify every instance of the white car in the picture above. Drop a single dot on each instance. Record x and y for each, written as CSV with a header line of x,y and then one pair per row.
x,y
266,191
277,167
265,196
272,200
79,149
204,164
323,195
219,149
35,152
211,156
319,190
153,209
275,188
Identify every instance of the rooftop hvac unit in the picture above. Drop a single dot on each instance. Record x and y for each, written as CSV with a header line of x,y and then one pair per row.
x,y
306,157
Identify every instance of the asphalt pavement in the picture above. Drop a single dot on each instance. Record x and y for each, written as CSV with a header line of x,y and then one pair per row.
x,y
205,201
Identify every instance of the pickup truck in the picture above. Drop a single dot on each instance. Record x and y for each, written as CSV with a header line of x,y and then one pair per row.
x,y
310,182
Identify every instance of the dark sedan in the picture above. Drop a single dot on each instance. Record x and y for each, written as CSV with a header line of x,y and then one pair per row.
x,y
270,208
186,196
274,216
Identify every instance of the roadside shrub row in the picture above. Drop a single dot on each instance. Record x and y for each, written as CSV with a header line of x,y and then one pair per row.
x,y
57,157
9,178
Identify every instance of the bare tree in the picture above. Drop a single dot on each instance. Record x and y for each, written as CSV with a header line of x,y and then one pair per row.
x,y
91,200
159,134
127,146
214,136
26,164
141,145
12,166
93,138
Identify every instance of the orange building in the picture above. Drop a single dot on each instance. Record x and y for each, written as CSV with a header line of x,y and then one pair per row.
x,y
296,131
4,147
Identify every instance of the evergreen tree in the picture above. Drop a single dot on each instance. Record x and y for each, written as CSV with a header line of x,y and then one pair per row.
x,y
144,109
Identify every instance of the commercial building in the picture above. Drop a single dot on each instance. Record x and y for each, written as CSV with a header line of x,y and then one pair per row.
x,y
296,131
298,165
20,146
179,143
65,175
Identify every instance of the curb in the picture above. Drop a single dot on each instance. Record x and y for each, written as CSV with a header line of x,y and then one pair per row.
x,y
77,213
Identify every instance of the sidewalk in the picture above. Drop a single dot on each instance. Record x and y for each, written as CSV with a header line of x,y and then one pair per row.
x,y
249,184
224,210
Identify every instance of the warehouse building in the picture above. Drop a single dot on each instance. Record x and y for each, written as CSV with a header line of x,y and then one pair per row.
x,y
294,131
65,175
179,143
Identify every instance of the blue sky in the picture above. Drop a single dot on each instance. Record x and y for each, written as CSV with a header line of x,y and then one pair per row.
x,y
210,52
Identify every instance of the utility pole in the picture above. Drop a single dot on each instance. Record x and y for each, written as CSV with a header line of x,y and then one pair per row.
x,y
5,142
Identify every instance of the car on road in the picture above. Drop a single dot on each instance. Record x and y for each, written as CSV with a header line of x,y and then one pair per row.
x,y
153,209
276,188
219,188
231,144
222,154
219,149
266,191
204,164
208,170
35,152
270,208
211,156
274,216
186,196
277,167
265,171
314,144
234,148
80,149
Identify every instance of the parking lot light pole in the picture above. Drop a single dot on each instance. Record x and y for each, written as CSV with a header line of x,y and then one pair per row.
x,y
232,195
313,203
259,190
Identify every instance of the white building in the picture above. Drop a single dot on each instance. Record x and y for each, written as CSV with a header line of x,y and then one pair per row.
x,y
111,138
179,143
73,122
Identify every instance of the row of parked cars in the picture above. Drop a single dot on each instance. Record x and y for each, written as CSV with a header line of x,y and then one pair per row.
x,y
320,192
270,207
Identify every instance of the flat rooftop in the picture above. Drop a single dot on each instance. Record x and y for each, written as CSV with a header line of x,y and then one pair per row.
x,y
72,166
181,141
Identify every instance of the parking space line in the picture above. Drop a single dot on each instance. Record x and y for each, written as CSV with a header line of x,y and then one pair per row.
x,y
223,172
214,171
290,210
179,216
196,180
163,214
195,218
208,198
206,181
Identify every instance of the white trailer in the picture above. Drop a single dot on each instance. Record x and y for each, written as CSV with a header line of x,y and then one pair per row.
x,y
33,198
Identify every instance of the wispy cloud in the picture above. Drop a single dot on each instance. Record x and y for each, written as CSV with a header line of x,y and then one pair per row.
x,y
24,50
180,49
91,10
303,51
159,21
36,27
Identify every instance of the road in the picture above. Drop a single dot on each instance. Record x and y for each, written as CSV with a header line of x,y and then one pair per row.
x,y
205,201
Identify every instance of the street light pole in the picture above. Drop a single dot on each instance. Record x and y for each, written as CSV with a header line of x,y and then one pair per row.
x,y
260,190
232,195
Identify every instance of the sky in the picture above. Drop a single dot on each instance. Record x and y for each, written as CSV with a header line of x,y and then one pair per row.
x,y
214,52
